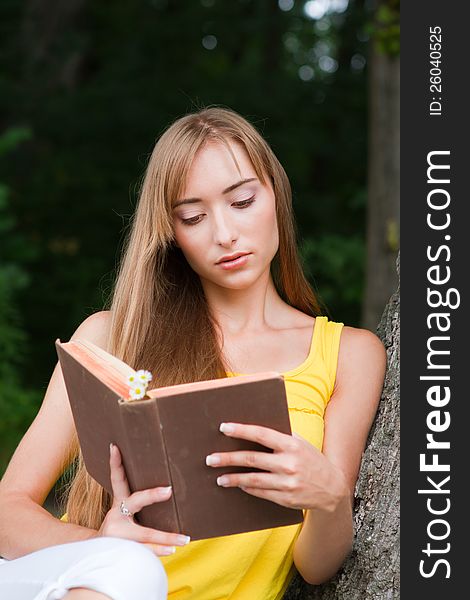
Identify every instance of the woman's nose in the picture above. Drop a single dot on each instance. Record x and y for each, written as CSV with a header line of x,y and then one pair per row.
x,y
224,229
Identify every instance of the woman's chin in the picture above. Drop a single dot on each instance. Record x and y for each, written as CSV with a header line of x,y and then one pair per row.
x,y
231,281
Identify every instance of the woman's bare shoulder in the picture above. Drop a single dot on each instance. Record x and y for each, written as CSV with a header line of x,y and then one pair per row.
x,y
293,318
95,328
355,339
360,350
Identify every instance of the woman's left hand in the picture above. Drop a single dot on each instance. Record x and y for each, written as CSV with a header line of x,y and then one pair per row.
x,y
298,475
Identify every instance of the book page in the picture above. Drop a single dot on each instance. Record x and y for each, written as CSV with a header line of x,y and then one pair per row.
x,y
104,366
210,384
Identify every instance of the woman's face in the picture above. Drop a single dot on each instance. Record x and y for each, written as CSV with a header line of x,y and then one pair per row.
x,y
223,213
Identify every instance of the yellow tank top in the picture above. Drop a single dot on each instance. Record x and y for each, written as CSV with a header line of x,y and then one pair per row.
x,y
259,564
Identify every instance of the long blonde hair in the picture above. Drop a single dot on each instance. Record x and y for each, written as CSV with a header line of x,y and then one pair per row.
x,y
160,319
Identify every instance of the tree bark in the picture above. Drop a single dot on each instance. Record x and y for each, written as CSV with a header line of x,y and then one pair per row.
x,y
372,570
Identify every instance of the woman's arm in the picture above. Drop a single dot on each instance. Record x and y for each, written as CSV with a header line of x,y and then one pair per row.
x,y
41,457
327,533
39,460
298,475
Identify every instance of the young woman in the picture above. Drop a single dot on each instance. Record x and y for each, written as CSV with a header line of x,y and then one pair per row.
x,y
210,286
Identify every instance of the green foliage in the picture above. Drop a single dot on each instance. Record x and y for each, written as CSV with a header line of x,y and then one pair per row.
x,y
18,406
9,140
100,88
332,259
385,28
18,403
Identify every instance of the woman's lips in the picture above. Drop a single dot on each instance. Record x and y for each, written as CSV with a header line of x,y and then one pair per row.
x,y
233,264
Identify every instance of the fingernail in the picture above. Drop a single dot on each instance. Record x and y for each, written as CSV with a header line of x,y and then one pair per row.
x,y
226,428
184,539
222,480
164,490
168,550
111,446
212,460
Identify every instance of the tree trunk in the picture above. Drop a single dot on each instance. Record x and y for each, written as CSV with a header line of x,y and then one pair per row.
x,y
372,570
383,198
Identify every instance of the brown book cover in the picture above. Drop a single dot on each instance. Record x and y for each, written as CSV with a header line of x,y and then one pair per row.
x,y
165,438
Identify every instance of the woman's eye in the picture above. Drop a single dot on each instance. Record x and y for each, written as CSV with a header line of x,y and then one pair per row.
x,y
191,221
244,203
240,204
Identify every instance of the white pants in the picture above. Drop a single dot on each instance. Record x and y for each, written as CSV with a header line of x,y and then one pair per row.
x,y
119,568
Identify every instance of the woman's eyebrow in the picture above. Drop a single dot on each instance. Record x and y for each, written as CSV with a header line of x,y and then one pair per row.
x,y
226,191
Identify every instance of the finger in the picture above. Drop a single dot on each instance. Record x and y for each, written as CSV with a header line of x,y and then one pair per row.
x,y
245,458
273,495
271,438
266,481
118,474
161,538
161,550
138,500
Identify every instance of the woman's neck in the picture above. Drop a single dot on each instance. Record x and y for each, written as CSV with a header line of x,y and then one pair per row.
x,y
240,311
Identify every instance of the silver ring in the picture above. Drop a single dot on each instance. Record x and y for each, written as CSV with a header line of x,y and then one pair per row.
x,y
124,510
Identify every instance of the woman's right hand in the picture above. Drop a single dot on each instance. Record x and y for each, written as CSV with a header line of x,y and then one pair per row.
x,y
116,524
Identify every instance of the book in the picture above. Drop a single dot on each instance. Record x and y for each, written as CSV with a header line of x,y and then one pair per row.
x,y
164,439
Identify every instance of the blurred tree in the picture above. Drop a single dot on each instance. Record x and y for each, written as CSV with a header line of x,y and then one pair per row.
x,y
383,205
